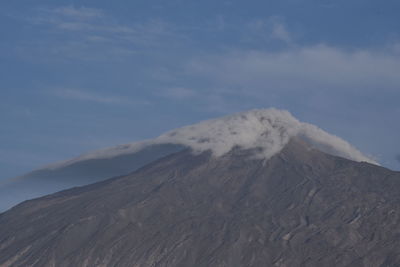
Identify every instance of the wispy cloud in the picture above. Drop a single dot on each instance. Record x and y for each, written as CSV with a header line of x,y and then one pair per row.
x,y
241,70
64,15
310,68
267,30
280,32
94,97
78,13
94,35
95,22
23,158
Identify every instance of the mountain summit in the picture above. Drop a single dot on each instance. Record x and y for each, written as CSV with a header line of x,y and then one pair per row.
x,y
266,131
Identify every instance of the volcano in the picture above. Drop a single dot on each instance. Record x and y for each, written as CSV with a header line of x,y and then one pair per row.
x,y
253,189
268,130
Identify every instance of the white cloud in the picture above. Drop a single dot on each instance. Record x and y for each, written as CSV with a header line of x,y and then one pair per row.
x,y
267,129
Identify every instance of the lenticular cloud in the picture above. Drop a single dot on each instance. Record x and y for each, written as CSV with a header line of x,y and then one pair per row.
x,y
268,129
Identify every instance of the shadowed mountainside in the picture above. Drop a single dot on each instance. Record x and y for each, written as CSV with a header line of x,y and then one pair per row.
x,y
302,207
46,181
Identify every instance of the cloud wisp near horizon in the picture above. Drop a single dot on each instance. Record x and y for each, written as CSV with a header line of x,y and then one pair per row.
x,y
94,72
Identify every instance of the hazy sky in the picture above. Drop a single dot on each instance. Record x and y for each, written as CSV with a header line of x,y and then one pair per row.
x,y
82,75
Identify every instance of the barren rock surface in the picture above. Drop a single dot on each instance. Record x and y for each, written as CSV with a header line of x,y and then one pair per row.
x,y
302,207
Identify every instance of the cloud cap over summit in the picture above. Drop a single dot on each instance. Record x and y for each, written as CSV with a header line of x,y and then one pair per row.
x,y
266,129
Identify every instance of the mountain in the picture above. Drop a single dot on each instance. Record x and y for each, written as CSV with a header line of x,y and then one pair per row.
x,y
78,172
299,207
268,129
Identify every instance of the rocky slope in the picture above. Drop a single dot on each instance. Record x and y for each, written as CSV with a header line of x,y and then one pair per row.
x,y
301,207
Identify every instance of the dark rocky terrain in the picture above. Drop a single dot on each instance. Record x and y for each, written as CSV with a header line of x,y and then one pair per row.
x,y
300,208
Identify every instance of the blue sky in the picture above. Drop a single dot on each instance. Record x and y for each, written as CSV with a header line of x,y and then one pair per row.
x,y
82,75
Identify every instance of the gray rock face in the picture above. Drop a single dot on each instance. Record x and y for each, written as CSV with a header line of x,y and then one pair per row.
x,y
300,208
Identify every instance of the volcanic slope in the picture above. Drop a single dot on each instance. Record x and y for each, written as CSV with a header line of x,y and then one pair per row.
x,y
86,171
301,207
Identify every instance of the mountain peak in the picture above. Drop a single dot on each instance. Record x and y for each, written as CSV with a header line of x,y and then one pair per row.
x,y
260,134
268,130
